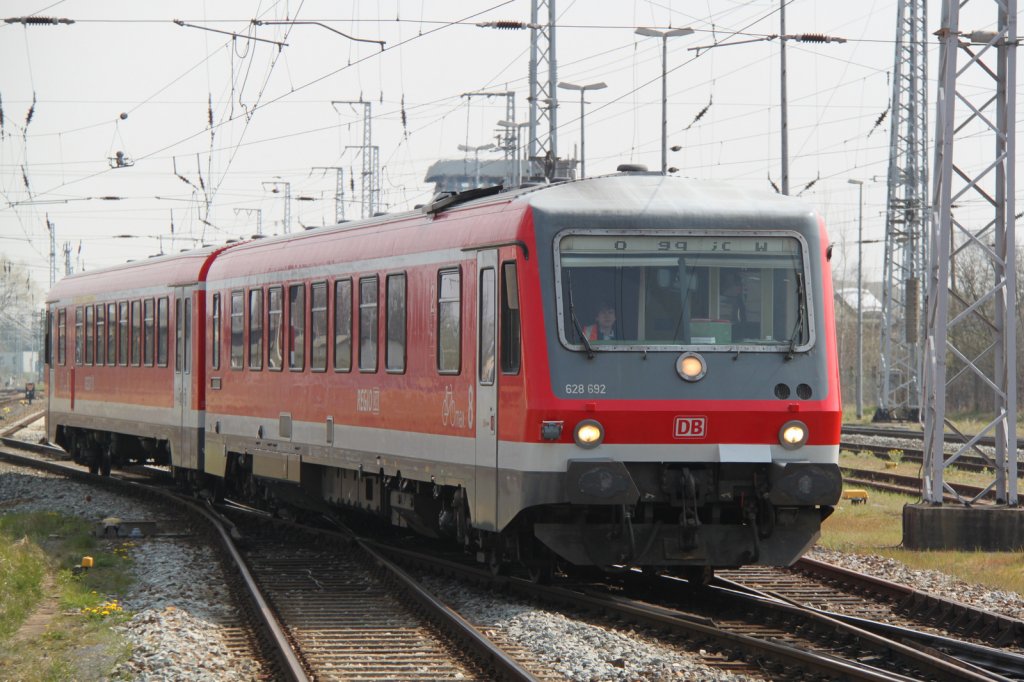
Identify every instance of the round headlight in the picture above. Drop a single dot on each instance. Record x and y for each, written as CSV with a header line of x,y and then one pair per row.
x,y
589,433
691,367
793,434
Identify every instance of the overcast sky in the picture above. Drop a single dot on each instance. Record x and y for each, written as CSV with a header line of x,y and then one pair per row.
x,y
209,124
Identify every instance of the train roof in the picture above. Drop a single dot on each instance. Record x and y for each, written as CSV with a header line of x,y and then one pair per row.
x,y
653,193
632,194
187,267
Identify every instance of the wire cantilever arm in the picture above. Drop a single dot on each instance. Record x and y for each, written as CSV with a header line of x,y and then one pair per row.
x,y
289,22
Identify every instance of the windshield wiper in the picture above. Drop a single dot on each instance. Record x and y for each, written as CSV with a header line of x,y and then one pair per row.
x,y
797,334
576,321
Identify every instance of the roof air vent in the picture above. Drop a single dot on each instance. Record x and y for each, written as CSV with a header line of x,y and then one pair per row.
x,y
632,168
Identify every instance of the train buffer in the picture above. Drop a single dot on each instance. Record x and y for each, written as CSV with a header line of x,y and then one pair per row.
x,y
855,495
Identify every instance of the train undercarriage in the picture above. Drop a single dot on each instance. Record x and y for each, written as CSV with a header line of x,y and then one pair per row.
x,y
681,519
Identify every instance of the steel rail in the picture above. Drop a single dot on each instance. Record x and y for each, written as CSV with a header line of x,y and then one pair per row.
x,y
679,622
969,658
1009,630
288,661
910,434
503,665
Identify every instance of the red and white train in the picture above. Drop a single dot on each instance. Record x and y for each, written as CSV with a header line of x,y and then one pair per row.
x,y
436,368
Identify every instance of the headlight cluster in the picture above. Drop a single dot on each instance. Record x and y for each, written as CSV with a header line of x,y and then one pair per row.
x,y
793,434
588,434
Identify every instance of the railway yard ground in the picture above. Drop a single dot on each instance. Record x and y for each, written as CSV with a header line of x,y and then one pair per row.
x,y
173,602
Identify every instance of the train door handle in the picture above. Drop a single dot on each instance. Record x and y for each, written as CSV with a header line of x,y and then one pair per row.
x,y
492,423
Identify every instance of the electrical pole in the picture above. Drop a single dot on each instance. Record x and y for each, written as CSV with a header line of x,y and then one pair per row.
x,y
982,231
543,153
508,143
339,191
259,217
905,219
370,186
52,229
287,201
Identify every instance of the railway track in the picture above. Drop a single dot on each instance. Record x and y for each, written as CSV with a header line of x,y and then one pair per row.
x,y
352,614
253,634
907,485
912,434
780,638
334,605
321,612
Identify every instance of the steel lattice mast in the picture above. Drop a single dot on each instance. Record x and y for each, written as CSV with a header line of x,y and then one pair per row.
x,y
543,152
973,224
905,219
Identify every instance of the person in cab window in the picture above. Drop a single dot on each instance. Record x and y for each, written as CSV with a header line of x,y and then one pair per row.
x,y
603,328
732,306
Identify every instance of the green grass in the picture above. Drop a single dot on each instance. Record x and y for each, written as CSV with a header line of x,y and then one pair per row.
x,y
876,527
22,566
78,642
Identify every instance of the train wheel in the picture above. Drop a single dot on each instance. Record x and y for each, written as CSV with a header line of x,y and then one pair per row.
x,y
699,576
91,459
541,573
104,463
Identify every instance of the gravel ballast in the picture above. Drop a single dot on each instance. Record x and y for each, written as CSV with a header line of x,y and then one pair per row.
x,y
182,621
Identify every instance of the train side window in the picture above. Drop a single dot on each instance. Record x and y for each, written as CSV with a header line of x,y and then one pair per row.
x,y
485,321
297,327
449,321
148,337
89,333
343,325
188,335
368,324
237,329
101,333
256,329
275,302
318,327
179,342
122,331
161,331
136,333
111,333
215,331
511,353
78,335
394,351
62,335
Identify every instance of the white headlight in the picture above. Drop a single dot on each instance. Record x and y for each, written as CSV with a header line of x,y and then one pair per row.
x,y
691,366
793,434
589,433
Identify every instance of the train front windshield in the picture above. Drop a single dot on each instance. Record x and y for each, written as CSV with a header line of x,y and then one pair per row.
x,y
653,291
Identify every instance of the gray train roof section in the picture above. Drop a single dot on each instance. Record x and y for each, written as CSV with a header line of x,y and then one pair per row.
x,y
704,202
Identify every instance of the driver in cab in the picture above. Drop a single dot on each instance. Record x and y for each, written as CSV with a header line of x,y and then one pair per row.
x,y
603,328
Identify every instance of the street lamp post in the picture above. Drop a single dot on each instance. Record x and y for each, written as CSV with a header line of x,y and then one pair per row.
x,y
664,35
860,295
476,156
583,145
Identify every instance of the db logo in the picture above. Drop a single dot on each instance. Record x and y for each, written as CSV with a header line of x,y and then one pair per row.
x,y
690,427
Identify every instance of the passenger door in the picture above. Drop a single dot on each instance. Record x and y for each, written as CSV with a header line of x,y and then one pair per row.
x,y
486,419
185,441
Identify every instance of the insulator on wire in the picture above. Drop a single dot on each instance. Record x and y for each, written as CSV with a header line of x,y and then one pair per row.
x,y
817,38
28,21
506,25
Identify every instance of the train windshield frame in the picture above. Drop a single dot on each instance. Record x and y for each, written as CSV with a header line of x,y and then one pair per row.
x,y
624,291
